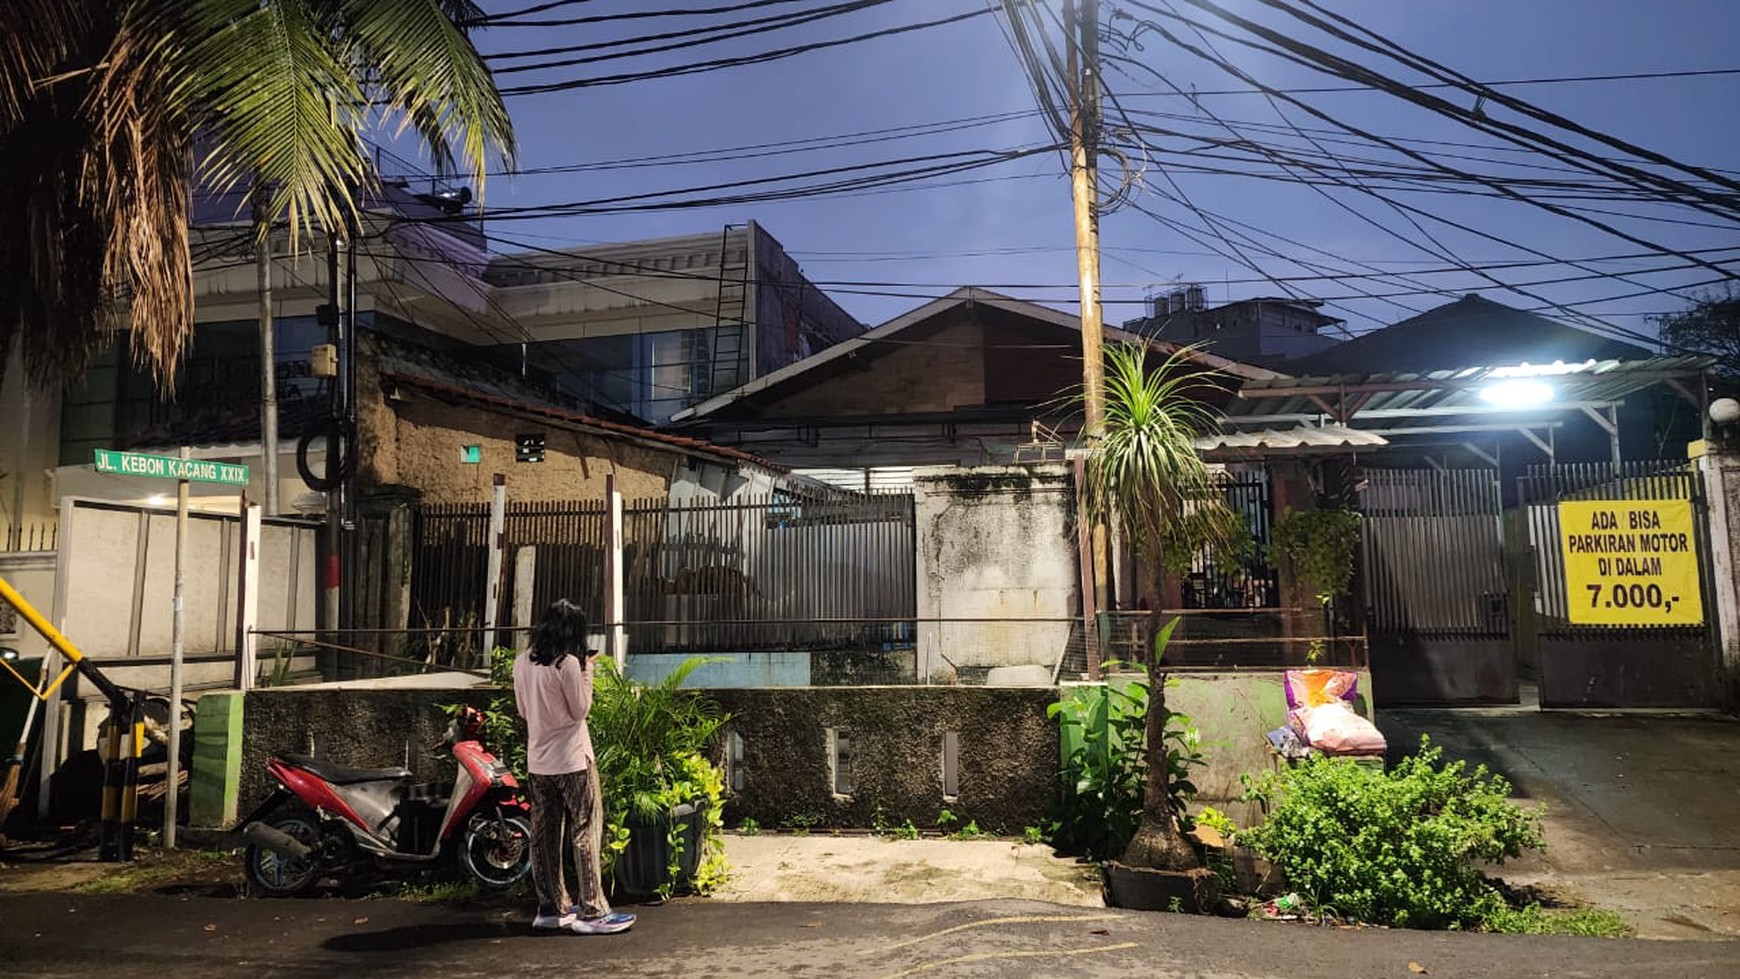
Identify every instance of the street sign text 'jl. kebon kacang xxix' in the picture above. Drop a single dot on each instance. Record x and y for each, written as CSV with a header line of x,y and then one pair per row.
x,y
169,467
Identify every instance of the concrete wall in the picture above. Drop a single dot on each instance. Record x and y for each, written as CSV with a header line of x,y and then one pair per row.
x,y
111,591
1721,471
1007,747
994,542
30,449
1007,755
792,318
1233,712
351,727
33,576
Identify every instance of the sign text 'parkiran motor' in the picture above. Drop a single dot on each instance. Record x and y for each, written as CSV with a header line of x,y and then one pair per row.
x,y
1631,562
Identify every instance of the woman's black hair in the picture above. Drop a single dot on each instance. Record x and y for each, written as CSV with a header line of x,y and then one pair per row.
x,y
560,632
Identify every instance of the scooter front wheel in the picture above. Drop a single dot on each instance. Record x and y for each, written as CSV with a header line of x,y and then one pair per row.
x,y
272,874
496,847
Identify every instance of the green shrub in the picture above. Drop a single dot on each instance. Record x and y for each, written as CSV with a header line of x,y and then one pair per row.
x,y
1103,777
1398,848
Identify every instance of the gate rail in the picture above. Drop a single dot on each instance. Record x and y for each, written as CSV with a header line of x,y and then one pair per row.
x,y
759,573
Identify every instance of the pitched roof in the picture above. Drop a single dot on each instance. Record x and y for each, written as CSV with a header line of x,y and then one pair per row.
x,y
1471,331
964,296
458,378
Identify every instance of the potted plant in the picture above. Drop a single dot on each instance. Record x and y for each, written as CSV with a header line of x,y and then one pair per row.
x,y
1143,471
663,794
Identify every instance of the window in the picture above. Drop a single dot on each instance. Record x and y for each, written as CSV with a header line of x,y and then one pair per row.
x,y
217,391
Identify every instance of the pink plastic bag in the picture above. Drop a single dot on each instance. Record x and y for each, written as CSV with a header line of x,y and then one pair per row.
x,y
1335,729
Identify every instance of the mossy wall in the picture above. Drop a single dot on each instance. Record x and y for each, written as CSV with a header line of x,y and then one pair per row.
x,y
1007,770
1008,757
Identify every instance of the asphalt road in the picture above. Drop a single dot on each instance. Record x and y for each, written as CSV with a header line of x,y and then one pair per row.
x,y
190,937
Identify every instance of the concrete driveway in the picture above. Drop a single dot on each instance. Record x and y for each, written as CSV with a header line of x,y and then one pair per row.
x,y
1643,807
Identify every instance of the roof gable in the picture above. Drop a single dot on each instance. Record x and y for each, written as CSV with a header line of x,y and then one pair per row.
x,y
910,327
1472,331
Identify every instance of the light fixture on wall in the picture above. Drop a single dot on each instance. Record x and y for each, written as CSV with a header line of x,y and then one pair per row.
x,y
1725,411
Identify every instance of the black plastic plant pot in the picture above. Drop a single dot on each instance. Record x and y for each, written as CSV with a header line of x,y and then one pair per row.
x,y
644,867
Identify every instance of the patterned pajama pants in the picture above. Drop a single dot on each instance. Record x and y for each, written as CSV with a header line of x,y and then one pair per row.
x,y
568,809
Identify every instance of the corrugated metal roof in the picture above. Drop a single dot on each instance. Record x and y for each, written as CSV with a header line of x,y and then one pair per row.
x,y
874,479
1390,398
1305,438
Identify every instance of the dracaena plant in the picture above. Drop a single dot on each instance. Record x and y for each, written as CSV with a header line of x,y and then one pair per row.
x,y
1144,470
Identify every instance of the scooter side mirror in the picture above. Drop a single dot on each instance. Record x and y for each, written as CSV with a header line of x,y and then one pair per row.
x,y
449,739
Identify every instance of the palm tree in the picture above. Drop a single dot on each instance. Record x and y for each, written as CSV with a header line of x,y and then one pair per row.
x,y
112,111
1144,471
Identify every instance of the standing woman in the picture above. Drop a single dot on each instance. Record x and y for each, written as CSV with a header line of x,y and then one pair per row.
x,y
553,690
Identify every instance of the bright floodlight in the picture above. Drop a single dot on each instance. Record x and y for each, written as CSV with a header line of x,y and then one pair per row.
x,y
1517,392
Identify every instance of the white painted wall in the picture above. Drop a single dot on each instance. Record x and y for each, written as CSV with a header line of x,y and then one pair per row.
x,y
33,576
29,448
99,563
994,542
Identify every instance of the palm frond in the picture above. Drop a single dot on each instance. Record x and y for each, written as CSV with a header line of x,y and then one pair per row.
x,y
277,103
101,102
423,67
53,294
138,172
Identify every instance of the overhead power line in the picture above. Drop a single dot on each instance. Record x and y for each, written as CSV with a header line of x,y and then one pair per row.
x,y
733,62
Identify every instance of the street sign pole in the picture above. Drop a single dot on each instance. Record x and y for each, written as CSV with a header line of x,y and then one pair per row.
x,y
183,470
177,645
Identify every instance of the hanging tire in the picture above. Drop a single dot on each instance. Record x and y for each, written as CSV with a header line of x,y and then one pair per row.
x,y
496,847
272,874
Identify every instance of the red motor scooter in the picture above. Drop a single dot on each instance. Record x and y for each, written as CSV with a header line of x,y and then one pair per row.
x,y
332,821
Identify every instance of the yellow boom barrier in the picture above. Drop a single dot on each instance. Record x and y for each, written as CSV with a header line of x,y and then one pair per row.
x,y
124,737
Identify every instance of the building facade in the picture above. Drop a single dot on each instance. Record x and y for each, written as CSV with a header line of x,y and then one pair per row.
x,y
1264,331
627,334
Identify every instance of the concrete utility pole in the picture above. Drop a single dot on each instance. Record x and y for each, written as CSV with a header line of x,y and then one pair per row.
x,y
1083,67
268,354
1084,125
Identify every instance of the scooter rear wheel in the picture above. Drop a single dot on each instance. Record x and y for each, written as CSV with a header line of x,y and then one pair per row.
x,y
274,874
496,847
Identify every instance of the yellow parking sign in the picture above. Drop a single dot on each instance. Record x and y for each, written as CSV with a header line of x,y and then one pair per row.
x,y
1631,562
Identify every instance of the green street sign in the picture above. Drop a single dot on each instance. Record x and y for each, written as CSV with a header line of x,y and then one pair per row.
x,y
169,467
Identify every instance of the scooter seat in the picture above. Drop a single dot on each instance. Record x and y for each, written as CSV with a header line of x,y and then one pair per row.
x,y
345,774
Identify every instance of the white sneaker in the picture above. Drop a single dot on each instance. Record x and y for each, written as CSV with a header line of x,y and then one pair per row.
x,y
604,924
553,922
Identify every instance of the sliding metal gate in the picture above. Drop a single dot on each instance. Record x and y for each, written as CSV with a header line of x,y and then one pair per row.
x,y
1438,622
1605,665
